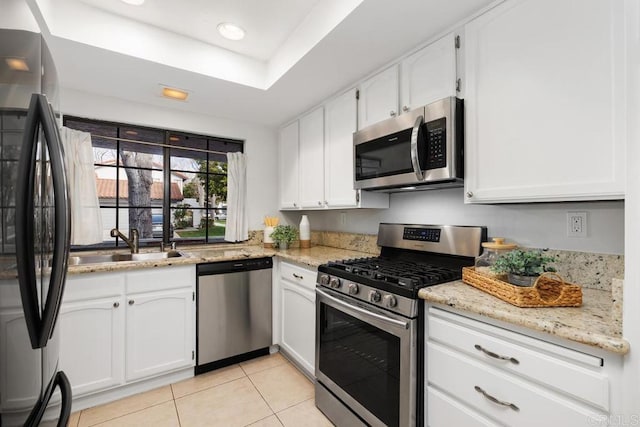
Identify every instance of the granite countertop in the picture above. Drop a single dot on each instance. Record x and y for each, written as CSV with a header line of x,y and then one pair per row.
x,y
594,323
313,257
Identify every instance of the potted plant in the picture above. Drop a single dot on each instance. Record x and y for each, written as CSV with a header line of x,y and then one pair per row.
x,y
523,267
283,235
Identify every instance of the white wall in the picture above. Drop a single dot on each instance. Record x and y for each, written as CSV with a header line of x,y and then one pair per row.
x,y
260,141
531,225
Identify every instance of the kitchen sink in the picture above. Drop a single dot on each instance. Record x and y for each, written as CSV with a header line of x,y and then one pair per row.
x,y
108,258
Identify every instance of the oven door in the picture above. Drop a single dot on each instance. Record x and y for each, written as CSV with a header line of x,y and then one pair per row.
x,y
367,358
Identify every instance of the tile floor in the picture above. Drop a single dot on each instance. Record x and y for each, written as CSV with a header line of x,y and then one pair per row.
x,y
264,392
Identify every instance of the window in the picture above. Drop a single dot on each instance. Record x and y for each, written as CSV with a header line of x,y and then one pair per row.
x,y
170,186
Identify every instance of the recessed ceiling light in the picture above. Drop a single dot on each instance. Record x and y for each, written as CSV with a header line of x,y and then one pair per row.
x,y
174,138
173,93
230,31
17,64
133,2
131,132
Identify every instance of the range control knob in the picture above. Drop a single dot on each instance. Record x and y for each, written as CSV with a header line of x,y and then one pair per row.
x,y
324,279
353,289
390,301
374,296
334,283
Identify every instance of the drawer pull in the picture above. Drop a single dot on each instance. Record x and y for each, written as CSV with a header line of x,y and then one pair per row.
x,y
496,401
496,356
297,276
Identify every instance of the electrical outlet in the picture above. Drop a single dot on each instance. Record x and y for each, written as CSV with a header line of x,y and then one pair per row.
x,y
577,224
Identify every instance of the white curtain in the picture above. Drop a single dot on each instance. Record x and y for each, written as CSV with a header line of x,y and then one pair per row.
x,y
86,219
237,229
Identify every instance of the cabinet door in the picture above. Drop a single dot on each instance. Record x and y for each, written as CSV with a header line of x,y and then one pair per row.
x,y
299,324
545,111
92,344
312,159
289,187
378,98
429,74
340,122
159,333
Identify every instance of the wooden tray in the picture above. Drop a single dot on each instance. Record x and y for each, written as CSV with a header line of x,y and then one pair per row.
x,y
550,290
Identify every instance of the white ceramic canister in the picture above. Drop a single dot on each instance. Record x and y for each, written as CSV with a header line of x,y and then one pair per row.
x,y
305,232
266,239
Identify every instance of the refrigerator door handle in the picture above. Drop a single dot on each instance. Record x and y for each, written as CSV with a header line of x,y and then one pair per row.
x,y
60,380
25,254
41,326
62,221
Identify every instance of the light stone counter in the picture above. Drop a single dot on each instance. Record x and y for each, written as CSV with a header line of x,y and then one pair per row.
x,y
313,257
595,323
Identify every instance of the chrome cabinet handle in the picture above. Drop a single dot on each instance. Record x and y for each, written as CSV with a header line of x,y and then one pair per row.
x,y
295,205
496,355
496,401
297,276
131,302
405,108
469,194
392,113
319,203
116,304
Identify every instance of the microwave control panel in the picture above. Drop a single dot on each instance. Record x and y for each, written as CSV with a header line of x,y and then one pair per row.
x,y
436,143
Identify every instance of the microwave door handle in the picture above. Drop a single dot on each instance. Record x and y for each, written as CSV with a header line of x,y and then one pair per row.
x,y
415,161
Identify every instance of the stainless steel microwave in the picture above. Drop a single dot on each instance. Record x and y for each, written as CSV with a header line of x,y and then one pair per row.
x,y
420,149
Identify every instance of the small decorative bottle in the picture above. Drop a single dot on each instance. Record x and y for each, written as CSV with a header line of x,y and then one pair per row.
x,y
491,252
305,232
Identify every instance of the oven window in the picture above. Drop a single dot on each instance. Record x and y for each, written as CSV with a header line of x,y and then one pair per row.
x,y
363,360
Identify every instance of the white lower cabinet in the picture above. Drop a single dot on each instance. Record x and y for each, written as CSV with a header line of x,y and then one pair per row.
x,y
484,375
159,332
115,330
298,314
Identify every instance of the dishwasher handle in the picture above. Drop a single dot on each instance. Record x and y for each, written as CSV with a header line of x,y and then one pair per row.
x,y
223,267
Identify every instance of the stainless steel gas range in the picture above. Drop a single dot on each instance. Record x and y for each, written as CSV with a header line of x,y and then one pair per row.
x,y
370,325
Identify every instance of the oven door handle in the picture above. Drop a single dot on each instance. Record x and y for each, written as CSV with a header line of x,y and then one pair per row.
x,y
415,160
394,322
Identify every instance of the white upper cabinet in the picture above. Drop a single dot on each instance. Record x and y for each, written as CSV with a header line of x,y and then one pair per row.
x,y
289,186
378,97
545,112
340,122
429,74
312,159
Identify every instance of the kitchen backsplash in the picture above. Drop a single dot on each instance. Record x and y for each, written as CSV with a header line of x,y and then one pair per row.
x,y
590,270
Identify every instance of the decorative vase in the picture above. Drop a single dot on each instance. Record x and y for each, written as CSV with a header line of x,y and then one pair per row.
x,y
283,245
518,280
267,239
305,232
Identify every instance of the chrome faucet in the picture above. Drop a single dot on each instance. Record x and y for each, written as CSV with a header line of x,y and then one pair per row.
x,y
133,242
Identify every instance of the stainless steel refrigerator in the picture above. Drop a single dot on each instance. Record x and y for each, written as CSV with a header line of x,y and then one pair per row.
x,y
34,237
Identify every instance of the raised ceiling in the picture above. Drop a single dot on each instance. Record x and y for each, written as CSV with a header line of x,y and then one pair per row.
x,y
297,52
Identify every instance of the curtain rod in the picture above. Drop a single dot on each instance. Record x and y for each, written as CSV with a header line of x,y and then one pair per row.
x,y
158,144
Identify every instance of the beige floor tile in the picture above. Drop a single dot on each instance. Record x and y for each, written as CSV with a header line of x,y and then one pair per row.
x,y
271,421
236,403
282,386
262,363
304,414
102,413
73,419
163,415
208,380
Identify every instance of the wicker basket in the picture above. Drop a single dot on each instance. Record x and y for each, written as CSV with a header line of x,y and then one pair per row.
x,y
550,290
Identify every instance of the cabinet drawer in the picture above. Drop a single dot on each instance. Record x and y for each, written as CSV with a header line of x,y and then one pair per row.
x,y
305,277
468,379
160,278
94,285
445,411
569,371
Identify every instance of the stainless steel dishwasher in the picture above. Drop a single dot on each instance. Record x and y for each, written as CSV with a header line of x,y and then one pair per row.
x,y
233,312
